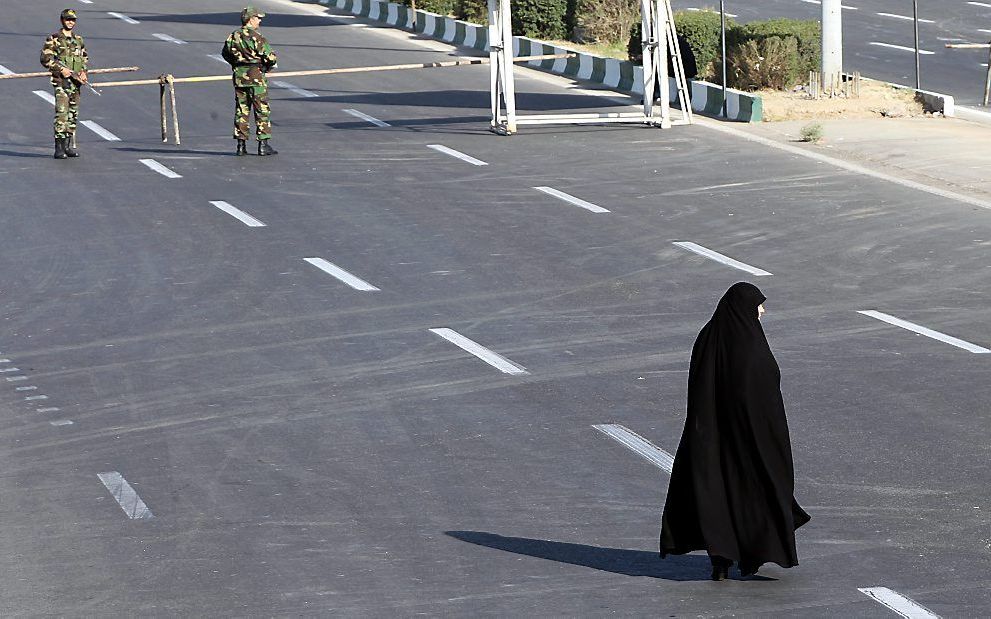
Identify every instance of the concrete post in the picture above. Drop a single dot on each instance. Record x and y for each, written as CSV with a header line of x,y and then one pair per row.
x,y
832,42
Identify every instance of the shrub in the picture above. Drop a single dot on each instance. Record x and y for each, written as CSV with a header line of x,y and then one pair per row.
x,y
605,21
543,19
807,34
812,133
763,63
475,11
701,30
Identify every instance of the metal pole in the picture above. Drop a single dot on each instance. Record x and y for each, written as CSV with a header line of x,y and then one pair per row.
x,y
832,42
722,36
915,18
987,83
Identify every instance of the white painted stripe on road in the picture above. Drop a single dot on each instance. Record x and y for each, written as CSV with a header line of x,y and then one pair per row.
x,y
27,388
332,269
450,151
47,96
15,379
984,30
492,358
902,47
899,603
638,444
154,165
718,257
296,89
61,422
849,8
238,214
32,398
936,335
907,17
168,38
560,195
218,58
366,117
48,409
984,4
86,1
4,360
125,496
5,370
5,71
123,17
100,131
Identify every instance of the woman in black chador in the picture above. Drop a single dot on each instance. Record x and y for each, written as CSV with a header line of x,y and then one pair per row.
x,y
733,481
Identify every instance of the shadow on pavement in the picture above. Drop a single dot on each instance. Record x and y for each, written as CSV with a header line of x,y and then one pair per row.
x,y
176,151
233,19
615,560
14,153
467,99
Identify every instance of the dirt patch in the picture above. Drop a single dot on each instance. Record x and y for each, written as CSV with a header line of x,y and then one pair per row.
x,y
876,100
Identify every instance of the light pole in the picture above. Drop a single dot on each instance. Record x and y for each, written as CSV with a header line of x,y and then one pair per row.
x,y
915,18
722,37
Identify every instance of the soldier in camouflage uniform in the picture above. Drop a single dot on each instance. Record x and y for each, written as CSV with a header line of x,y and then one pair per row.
x,y
250,56
64,54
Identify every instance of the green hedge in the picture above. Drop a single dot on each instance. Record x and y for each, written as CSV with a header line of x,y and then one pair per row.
x,y
800,40
541,19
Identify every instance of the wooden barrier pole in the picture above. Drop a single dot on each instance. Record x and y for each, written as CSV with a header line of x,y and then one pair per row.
x,y
175,112
165,127
14,76
395,67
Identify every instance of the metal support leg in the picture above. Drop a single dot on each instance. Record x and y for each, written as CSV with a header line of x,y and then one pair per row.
x,y
501,79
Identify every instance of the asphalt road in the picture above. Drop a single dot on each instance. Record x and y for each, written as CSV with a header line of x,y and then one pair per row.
x,y
879,38
294,446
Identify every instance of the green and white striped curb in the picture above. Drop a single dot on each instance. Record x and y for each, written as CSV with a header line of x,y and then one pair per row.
x,y
619,74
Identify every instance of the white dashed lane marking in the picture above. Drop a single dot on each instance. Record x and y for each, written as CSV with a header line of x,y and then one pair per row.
x,y
936,335
125,496
48,409
168,38
27,388
238,214
123,17
332,269
492,358
15,379
217,57
296,89
720,258
47,96
899,603
100,131
456,154
638,444
31,398
570,199
5,71
6,370
367,118
924,52
907,17
154,165
61,422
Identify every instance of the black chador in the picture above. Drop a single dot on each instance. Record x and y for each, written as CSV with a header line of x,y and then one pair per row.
x,y
732,485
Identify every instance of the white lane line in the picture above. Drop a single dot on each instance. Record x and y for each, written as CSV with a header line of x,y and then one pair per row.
x,y
4,360
332,269
47,96
902,47
908,17
238,214
154,165
366,117
296,89
100,131
936,335
492,358
6,370
61,422
5,71
125,496
984,4
14,379
718,257
457,154
123,17
638,444
32,398
27,388
168,38
218,58
899,603
570,199
47,409
984,30
86,1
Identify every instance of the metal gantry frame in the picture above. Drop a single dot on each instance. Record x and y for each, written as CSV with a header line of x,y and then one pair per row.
x,y
660,42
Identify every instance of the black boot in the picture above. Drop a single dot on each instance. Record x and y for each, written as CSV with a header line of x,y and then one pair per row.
x,y
720,567
69,150
60,148
264,149
242,148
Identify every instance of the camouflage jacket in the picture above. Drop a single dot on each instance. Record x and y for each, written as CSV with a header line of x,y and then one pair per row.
x,y
250,55
64,51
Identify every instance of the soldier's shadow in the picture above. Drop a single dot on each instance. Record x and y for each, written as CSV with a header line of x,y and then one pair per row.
x,y
14,153
174,151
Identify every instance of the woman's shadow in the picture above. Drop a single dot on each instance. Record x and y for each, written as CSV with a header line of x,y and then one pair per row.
x,y
615,560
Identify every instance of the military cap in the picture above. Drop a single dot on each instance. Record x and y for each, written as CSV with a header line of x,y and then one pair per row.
x,y
68,14
250,12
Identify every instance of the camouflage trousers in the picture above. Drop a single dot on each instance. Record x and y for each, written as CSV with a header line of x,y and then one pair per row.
x,y
246,100
66,109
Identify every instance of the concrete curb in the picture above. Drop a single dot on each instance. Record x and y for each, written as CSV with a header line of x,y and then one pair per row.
x,y
706,98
